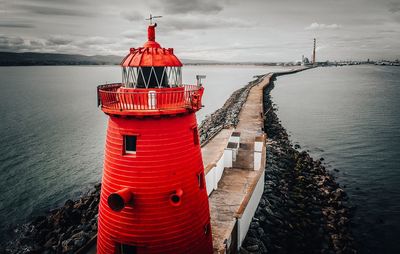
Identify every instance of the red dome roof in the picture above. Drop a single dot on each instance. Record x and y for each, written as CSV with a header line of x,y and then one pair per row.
x,y
151,54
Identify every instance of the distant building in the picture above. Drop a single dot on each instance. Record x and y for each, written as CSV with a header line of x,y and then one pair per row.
x,y
304,61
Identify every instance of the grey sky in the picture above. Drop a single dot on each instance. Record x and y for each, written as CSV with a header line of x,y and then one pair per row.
x,y
227,30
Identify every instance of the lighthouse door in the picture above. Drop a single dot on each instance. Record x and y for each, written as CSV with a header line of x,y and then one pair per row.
x,y
125,249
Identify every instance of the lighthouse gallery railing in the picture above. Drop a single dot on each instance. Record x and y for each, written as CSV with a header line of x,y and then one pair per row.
x,y
115,97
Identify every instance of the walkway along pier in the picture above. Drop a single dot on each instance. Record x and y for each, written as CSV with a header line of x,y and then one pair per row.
x,y
234,162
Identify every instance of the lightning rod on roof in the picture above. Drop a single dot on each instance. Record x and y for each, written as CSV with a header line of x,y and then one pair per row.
x,y
151,17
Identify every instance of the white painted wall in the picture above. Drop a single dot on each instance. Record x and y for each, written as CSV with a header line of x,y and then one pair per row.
x,y
228,156
234,154
244,221
214,175
234,139
258,146
219,171
258,151
210,181
257,160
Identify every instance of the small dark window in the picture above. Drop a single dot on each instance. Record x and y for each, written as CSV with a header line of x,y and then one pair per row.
x,y
195,136
130,144
125,249
207,229
200,178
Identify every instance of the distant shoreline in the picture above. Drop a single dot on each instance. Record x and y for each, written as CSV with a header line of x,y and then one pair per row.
x,y
185,64
8,59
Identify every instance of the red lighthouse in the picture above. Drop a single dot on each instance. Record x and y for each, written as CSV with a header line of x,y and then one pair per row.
x,y
153,197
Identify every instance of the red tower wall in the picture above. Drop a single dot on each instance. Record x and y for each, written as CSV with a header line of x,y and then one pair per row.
x,y
168,158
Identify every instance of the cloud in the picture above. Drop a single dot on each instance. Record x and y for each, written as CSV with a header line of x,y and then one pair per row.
x,y
55,11
132,15
192,6
394,7
135,34
58,44
55,1
58,40
8,42
317,26
18,44
95,40
15,25
188,25
201,23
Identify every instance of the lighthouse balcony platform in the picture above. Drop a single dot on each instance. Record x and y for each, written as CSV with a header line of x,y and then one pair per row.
x,y
115,99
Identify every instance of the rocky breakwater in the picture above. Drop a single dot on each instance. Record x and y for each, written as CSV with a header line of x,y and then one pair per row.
x,y
73,226
302,209
63,230
227,116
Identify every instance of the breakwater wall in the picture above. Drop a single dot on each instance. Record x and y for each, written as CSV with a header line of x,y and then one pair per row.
x,y
302,209
228,115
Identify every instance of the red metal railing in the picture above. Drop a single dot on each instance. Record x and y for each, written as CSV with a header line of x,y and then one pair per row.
x,y
115,98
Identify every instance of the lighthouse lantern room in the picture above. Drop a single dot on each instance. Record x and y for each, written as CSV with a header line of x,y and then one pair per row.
x,y
151,66
153,196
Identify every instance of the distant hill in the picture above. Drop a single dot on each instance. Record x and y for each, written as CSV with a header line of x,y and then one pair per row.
x,y
201,62
31,58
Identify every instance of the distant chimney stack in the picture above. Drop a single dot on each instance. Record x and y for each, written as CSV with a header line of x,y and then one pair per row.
x,y
313,56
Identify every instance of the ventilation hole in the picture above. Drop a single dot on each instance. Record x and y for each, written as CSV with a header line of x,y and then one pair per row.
x,y
115,202
175,199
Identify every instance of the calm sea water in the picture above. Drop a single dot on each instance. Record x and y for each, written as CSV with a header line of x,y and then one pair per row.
x,y
351,117
52,134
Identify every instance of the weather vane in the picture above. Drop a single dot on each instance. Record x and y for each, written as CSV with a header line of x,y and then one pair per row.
x,y
151,17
